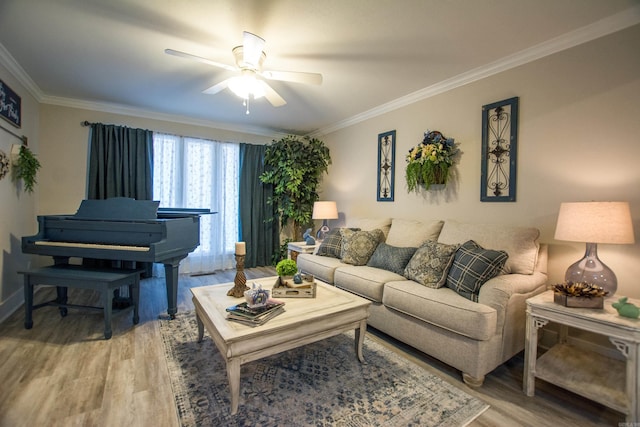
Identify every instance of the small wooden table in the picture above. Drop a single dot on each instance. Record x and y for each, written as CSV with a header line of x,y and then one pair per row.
x,y
595,376
296,248
62,276
304,321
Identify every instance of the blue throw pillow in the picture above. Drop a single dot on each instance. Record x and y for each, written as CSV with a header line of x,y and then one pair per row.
x,y
472,267
391,258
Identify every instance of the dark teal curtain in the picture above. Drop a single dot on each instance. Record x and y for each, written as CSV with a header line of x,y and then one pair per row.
x,y
259,227
120,162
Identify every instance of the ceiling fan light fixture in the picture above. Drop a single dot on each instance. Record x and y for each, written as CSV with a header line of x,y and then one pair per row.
x,y
245,86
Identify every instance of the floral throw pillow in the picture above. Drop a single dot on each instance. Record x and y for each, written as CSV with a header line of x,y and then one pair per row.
x,y
358,246
430,264
472,267
391,258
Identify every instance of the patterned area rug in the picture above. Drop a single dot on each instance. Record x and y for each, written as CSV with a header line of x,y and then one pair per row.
x,y
321,384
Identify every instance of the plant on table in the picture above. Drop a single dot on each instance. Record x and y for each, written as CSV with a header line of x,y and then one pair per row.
x,y
286,267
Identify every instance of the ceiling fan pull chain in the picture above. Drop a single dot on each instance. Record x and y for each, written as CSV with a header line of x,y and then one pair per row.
x,y
246,103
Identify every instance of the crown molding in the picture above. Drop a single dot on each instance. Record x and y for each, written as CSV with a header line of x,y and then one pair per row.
x,y
147,114
19,73
601,28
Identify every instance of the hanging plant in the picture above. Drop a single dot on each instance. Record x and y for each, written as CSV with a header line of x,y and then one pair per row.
x,y
429,162
26,168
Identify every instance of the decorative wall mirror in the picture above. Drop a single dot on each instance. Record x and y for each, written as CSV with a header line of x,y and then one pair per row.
x,y
499,149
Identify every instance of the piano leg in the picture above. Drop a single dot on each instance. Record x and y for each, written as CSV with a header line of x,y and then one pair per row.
x,y
171,275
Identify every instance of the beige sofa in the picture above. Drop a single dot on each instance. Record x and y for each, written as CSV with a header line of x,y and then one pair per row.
x,y
472,336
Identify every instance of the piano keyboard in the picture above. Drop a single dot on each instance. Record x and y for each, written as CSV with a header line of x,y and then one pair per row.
x,y
92,246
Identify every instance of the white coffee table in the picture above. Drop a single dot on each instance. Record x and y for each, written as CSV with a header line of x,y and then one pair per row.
x,y
304,321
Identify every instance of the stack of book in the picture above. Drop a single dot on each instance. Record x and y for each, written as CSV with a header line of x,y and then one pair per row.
x,y
255,316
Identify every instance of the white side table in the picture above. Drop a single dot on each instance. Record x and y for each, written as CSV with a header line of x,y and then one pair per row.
x,y
611,382
295,248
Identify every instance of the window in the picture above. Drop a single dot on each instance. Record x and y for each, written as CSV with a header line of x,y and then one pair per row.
x,y
200,173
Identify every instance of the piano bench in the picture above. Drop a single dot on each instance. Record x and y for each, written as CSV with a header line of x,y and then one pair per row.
x,y
77,276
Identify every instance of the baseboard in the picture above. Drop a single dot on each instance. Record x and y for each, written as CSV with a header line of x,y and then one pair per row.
x,y
11,305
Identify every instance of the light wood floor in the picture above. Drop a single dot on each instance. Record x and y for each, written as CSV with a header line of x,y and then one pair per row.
x,y
63,373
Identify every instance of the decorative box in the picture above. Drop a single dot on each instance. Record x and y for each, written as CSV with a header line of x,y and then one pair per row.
x,y
578,302
287,289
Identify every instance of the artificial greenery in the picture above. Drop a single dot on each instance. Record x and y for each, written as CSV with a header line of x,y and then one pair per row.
x,y
26,168
429,162
286,267
294,166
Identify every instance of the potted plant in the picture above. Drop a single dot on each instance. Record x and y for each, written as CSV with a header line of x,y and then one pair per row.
x,y
429,162
26,167
294,166
286,268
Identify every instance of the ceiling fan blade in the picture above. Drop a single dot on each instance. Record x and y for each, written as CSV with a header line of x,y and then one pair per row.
x,y
252,47
199,59
271,95
217,87
293,76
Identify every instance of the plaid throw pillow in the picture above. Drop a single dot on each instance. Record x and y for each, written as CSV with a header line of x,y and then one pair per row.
x,y
472,267
331,246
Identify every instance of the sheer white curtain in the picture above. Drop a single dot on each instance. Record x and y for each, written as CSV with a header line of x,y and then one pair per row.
x,y
199,173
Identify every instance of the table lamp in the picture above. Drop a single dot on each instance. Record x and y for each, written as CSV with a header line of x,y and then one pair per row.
x,y
593,223
324,211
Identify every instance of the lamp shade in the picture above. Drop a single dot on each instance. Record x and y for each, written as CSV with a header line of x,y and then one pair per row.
x,y
325,210
595,222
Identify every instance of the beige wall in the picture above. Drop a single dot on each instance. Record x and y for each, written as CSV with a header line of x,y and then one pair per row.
x,y
17,208
579,140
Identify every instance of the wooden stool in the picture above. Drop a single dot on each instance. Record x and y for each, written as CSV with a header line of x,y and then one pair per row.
x,y
77,276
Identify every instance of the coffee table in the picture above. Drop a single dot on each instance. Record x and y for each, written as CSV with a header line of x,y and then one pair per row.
x,y
305,320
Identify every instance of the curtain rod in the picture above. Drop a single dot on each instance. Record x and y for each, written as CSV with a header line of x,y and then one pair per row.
x,y
22,138
86,123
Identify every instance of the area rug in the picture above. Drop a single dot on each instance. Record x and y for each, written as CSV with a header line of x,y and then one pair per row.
x,y
320,384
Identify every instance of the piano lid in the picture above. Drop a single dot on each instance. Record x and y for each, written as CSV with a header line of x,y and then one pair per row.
x,y
118,208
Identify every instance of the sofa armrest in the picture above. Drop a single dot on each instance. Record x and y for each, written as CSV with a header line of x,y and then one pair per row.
x,y
507,294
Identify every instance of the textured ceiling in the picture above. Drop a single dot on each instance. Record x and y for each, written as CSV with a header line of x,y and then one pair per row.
x,y
109,54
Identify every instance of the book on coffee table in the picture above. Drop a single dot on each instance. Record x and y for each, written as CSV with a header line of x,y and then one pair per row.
x,y
255,315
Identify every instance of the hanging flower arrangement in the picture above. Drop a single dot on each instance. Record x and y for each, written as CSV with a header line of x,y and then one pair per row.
x,y
428,163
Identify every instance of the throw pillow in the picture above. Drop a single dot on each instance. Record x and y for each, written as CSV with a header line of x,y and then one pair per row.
x,y
358,246
472,267
430,264
331,246
391,258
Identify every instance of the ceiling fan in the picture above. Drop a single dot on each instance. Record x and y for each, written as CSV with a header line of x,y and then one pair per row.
x,y
250,79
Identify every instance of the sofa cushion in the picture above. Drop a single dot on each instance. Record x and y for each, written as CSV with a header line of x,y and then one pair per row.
x,y
369,224
410,233
365,281
391,258
430,264
521,243
332,244
358,246
322,267
472,267
441,307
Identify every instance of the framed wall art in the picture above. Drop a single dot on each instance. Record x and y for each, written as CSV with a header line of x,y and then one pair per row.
x,y
386,165
10,105
499,151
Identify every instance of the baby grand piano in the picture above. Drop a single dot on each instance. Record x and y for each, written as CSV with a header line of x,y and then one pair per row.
x,y
121,229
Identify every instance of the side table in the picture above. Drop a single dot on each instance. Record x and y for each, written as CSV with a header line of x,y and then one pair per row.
x,y
295,248
611,382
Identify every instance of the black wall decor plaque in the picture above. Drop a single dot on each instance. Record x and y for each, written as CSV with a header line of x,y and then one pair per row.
x,y
386,165
499,149
10,105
